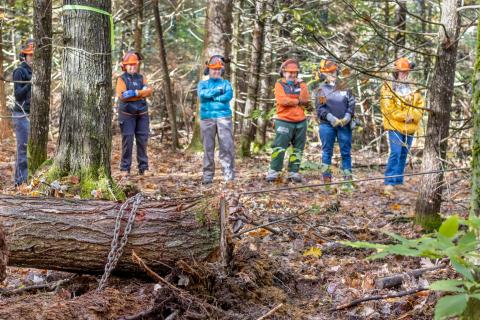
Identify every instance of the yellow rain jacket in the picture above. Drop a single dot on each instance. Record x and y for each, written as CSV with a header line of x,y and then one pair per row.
x,y
401,110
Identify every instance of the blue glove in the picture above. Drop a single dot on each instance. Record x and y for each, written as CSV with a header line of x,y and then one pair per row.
x,y
129,94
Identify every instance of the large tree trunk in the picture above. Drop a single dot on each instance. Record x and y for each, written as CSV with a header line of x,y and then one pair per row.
x,y
42,68
85,137
172,116
254,74
475,201
441,92
138,27
5,123
76,235
218,31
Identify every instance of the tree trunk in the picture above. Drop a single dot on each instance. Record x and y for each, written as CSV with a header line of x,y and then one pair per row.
x,y
85,136
429,197
138,27
42,69
265,82
172,116
76,235
237,9
475,201
5,123
254,74
401,25
218,31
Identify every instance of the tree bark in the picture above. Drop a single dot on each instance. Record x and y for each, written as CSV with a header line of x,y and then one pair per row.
x,y
42,69
5,123
85,136
265,81
76,235
429,197
237,9
475,199
254,74
401,25
218,31
172,116
138,27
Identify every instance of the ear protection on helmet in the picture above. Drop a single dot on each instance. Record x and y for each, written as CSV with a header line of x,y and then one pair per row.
x,y
25,49
222,58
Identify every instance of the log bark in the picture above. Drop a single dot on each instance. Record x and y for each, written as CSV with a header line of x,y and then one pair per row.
x,y
75,235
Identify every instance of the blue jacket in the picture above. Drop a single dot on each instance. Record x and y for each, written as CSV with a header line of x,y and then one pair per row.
x,y
215,95
335,101
22,91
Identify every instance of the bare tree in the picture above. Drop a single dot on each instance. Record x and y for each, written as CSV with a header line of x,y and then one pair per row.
x,y
431,186
5,124
42,69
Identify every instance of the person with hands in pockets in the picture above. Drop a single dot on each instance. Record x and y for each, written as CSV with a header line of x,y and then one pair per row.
x,y
132,90
402,110
215,94
335,109
292,98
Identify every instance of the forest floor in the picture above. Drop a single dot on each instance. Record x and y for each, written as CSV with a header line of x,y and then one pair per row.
x,y
300,268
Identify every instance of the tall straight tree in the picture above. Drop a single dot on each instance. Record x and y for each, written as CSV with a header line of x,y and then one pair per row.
x,y
42,69
218,31
139,27
248,133
237,10
85,137
475,202
430,192
5,123
166,78
401,25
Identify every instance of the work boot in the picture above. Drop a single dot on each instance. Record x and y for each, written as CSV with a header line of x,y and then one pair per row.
x,y
206,181
124,173
141,172
327,176
272,175
348,186
388,190
295,177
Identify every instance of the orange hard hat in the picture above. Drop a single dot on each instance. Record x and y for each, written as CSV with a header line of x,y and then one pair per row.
x,y
216,62
403,64
131,57
290,65
328,66
28,48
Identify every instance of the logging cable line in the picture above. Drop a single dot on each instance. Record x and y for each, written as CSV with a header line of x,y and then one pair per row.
x,y
353,180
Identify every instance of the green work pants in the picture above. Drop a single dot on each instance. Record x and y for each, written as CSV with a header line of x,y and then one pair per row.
x,y
288,134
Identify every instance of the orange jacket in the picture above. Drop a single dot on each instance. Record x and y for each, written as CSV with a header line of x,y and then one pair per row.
x,y
290,105
121,87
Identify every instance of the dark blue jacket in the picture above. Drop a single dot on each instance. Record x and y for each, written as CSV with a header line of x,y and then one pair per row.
x,y
22,91
337,102
133,82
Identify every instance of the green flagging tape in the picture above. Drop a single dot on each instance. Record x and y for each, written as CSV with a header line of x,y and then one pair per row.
x,y
80,7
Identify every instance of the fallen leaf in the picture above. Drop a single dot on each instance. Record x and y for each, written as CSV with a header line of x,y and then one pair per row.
x,y
314,252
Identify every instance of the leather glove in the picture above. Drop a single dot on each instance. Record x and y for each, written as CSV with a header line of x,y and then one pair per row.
x,y
345,120
409,118
129,94
334,121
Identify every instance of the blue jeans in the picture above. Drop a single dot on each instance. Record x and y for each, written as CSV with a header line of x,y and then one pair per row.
x,y
22,130
399,146
328,135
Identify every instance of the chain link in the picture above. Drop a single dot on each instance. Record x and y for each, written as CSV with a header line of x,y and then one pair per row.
x,y
118,245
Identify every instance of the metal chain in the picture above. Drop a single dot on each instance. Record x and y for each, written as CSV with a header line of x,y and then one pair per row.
x,y
117,246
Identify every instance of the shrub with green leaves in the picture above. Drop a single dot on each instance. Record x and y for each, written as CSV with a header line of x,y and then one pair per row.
x,y
460,245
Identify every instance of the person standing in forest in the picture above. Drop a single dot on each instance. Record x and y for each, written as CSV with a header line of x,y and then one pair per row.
x,y
215,94
292,97
335,106
132,90
402,110
22,91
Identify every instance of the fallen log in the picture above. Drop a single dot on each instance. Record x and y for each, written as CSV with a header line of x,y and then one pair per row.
x,y
75,235
396,280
